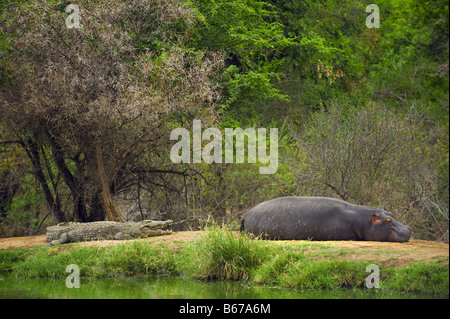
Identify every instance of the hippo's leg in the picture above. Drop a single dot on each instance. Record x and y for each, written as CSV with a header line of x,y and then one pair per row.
x,y
63,239
241,222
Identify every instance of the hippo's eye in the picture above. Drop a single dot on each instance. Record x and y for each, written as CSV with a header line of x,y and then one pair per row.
x,y
388,221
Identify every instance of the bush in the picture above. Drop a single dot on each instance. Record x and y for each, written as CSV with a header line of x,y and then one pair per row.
x,y
222,254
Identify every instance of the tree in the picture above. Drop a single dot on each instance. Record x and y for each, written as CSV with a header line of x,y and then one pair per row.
x,y
254,47
95,99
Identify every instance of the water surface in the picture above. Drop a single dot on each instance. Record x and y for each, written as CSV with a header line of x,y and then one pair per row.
x,y
176,288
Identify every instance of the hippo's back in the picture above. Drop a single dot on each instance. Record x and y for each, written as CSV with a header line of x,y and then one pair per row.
x,y
297,218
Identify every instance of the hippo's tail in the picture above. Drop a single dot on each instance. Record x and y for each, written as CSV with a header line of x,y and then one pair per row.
x,y
241,222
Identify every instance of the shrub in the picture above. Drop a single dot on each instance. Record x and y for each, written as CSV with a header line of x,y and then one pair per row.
x,y
222,254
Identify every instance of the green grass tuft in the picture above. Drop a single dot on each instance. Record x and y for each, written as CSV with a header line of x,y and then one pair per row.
x,y
419,277
222,254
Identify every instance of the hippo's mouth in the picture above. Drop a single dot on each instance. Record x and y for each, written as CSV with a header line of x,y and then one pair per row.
x,y
394,235
400,235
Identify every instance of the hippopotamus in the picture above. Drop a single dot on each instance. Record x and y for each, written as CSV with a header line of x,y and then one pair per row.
x,y
322,218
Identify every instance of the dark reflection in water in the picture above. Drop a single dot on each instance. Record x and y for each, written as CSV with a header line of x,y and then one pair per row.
x,y
175,288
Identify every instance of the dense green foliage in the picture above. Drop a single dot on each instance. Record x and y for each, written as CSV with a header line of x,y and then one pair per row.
x,y
253,46
362,114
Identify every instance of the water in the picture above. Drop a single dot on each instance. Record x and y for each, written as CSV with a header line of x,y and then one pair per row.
x,y
174,288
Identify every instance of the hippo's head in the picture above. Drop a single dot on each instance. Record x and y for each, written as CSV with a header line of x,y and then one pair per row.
x,y
383,227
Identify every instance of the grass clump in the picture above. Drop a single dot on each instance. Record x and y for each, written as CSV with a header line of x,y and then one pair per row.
x,y
419,277
137,258
222,254
9,258
296,270
323,274
271,270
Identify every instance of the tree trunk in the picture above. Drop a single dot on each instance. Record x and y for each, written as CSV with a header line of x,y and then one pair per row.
x,y
110,209
98,212
9,184
53,201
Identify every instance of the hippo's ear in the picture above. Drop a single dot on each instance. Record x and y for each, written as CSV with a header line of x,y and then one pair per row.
x,y
375,219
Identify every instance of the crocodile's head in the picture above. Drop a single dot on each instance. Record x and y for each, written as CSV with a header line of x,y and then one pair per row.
x,y
149,228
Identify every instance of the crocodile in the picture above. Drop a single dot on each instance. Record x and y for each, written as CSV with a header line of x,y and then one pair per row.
x,y
69,232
